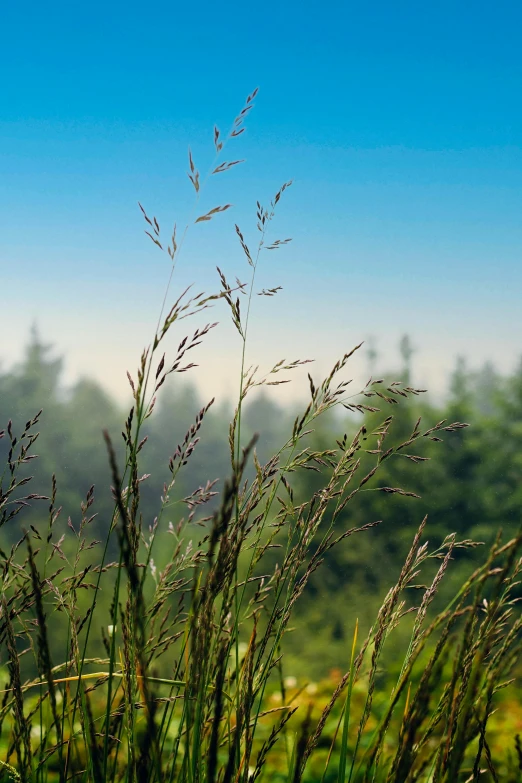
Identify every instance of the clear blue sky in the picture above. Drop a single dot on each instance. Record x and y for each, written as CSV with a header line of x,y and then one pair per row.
x,y
400,124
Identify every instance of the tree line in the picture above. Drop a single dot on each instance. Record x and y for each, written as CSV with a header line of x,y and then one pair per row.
x,y
470,485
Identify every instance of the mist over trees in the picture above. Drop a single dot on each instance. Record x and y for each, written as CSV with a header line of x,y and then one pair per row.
x,y
471,484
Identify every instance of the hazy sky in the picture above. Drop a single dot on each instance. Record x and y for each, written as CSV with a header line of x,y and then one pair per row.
x,y
400,124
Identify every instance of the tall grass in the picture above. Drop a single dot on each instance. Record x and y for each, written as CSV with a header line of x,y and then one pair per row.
x,y
178,681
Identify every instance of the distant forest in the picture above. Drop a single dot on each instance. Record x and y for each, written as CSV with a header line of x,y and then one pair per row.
x,y
471,484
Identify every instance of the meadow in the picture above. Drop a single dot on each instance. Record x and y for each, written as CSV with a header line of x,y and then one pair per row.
x,y
333,601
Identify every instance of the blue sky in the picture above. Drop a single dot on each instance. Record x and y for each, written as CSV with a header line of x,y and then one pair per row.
x,y
400,124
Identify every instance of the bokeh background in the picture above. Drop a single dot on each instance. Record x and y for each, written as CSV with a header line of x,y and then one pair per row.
x,y
401,128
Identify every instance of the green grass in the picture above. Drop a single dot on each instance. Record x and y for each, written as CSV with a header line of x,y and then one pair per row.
x,y
183,677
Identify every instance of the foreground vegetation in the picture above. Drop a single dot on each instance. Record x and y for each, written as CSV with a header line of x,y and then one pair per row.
x,y
159,653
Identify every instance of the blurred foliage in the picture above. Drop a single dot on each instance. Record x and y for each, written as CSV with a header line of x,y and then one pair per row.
x,y
471,486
